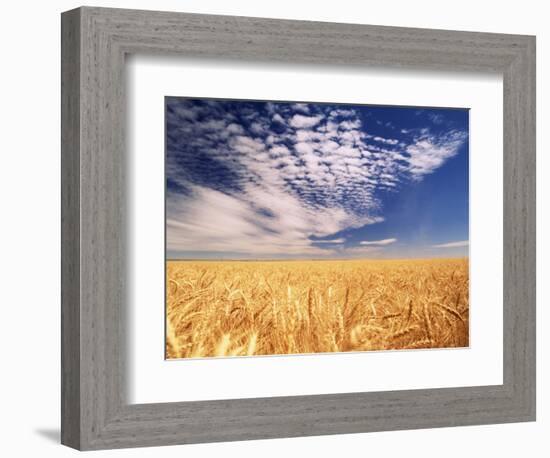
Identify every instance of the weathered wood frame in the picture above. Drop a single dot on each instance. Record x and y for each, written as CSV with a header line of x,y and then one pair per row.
x,y
95,413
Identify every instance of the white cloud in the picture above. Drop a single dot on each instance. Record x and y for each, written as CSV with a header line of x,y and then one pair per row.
x,y
261,221
279,150
378,242
304,122
246,145
305,135
350,125
338,241
436,118
235,129
428,153
278,118
461,243
258,128
304,148
388,141
302,107
341,112
189,112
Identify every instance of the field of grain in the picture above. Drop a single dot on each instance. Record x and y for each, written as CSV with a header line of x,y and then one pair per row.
x,y
239,308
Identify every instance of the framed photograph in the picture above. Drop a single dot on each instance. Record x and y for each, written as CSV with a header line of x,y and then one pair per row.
x,y
297,228
277,228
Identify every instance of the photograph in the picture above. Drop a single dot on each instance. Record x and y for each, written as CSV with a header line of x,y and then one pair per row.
x,y
297,227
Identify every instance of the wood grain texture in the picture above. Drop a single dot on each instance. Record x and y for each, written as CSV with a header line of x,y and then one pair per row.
x,y
96,414
70,229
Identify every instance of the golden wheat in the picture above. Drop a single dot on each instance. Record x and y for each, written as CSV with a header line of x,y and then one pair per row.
x,y
240,308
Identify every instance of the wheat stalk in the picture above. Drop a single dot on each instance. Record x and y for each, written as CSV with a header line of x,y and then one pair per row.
x,y
227,308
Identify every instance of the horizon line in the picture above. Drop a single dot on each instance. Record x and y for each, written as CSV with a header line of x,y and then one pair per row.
x,y
315,259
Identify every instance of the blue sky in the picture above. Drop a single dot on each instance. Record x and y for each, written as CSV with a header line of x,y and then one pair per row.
x,y
275,180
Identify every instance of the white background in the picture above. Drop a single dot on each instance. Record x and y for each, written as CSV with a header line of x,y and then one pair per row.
x,y
29,186
155,380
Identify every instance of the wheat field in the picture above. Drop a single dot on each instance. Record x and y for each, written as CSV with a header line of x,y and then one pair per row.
x,y
245,308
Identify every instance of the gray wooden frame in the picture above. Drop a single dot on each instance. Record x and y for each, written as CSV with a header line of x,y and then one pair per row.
x,y
95,413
